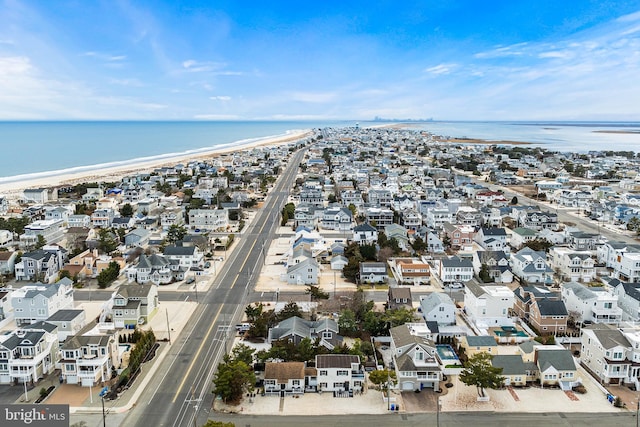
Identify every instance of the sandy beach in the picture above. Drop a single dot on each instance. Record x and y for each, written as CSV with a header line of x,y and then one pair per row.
x,y
12,187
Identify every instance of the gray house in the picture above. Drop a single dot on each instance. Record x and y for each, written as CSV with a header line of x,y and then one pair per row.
x,y
438,307
295,329
34,303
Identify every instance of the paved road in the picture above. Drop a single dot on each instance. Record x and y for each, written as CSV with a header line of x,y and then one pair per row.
x,y
475,419
182,386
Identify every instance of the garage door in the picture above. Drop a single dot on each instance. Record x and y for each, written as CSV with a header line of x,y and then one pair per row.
x,y
407,385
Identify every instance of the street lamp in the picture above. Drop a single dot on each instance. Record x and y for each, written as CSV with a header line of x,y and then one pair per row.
x,y
103,392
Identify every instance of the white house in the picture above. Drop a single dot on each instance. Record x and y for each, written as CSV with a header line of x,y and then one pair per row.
x,y
28,353
455,269
592,304
488,305
572,265
51,230
608,354
438,307
208,219
492,239
373,272
365,234
187,256
628,299
531,266
339,373
303,273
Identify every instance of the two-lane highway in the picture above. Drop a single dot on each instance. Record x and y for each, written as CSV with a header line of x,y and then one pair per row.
x,y
181,389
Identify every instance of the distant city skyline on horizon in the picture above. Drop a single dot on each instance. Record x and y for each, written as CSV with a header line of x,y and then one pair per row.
x,y
540,61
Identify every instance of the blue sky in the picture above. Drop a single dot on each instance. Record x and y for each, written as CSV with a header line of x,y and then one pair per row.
x,y
447,60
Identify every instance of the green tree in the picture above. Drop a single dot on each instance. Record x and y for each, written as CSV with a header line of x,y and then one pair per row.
x,y
108,275
351,271
347,323
539,244
253,312
176,233
484,274
232,380
382,378
291,309
399,316
126,210
316,293
243,353
40,241
107,241
514,200
479,372
374,324
369,252
419,245
288,212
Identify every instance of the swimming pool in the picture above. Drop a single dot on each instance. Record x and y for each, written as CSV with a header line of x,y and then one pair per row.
x,y
446,352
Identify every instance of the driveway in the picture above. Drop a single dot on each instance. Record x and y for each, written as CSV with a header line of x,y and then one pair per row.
x,y
425,401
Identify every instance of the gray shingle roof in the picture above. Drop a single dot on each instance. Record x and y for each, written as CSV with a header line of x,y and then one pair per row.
x,y
481,341
510,364
561,360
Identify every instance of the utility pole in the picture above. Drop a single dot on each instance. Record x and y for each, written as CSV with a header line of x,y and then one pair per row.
x,y
437,411
166,310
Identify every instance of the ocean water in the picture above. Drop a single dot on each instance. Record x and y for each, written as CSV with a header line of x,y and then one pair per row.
x,y
33,147
36,147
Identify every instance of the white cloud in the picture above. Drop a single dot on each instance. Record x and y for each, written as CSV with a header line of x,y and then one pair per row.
x,y
440,69
220,98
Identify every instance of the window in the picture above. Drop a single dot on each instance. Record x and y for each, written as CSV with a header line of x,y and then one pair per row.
x,y
69,367
441,309
323,373
342,373
338,385
295,382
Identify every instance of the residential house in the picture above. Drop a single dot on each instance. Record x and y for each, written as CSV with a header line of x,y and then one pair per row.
x,y
295,329
306,215
556,368
459,236
51,230
186,256
138,237
628,299
90,357
103,218
28,353
341,374
492,239
36,195
438,307
454,269
399,233
305,272
365,234
538,220
521,236
373,272
134,305
531,266
414,359
548,316
496,264
337,218
208,219
580,241
572,265
79,221
434,244
68,321
622,258
592,304
156,269
284,378
6,238
514,371
34,303
608,354
399,297
7,262
479,344
411,271
122,222
379,216
488,305
525,295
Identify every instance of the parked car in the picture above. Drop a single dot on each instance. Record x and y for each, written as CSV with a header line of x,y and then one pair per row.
x,y
456,285
190,280
207,264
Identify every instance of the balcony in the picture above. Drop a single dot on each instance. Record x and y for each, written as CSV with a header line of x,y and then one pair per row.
x,y
357,374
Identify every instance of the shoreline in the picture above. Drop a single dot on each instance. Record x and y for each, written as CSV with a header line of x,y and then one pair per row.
x,y
12,186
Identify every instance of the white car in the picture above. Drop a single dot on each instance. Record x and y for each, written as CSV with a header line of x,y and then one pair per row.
x,y
456,285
